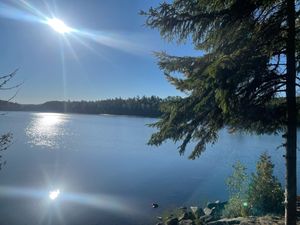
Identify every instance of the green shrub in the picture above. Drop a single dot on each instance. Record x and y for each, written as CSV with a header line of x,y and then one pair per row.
x,y
236,207
237,185
265,194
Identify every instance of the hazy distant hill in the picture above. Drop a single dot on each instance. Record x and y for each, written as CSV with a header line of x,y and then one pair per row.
x,y
145,106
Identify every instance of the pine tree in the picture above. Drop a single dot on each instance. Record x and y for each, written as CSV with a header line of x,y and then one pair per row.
x,y
251,55
265,194
237,184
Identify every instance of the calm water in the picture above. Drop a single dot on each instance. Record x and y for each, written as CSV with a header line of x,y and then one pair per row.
x,y
106,174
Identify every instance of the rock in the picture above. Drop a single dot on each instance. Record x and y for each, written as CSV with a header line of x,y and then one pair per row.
x,y
194,208
210,205
159,223
197,212
215,209
154,205
183,208
264,220
216,204
206,218
208,211
186,222
232,221
172,221
216,223
183,216
159,218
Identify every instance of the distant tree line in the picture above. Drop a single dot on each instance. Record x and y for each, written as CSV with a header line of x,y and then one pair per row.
x,y
137,106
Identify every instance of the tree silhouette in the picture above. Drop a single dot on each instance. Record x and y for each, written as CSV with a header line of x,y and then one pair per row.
x,y
144,106
5,139
251,53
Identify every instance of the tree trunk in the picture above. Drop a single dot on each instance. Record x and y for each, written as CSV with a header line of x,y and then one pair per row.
x,y
291,154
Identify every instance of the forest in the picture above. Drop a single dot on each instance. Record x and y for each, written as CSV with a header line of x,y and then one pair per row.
x,y
137,106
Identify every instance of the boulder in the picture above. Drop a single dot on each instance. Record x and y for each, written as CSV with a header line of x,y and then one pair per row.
x,y
233,221
197,212
183,216
215,209
216,204
172,221
170,216
154,205
183,208
186,222
208,211
206,218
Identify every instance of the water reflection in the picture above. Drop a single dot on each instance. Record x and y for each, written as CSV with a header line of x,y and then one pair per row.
x,y
97,201
46,129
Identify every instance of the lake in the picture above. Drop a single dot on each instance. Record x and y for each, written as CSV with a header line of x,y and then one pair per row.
x,y
97,169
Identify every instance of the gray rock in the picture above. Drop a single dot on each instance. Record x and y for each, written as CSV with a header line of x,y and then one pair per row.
x,y
215,209
208,211
154,205
194,208
170,216
183,216
183,208
186,222
210,205
206,218
197,212
233,221
172,221
216,204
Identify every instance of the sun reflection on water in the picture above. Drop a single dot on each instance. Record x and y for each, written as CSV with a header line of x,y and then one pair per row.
x,y
46,129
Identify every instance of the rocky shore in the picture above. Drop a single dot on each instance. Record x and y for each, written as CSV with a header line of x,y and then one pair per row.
x,y
212,215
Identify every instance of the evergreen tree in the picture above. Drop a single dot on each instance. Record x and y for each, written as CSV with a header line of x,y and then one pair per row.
x,y
237,184
251,55
265,192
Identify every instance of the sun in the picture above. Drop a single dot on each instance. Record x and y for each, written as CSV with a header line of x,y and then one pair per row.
x,y
54,194
59,26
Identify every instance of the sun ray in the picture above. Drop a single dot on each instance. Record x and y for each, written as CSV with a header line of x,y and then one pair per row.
x,y
59,26
9,12
99,201
63,68
72,50
31,9
24,11
79,40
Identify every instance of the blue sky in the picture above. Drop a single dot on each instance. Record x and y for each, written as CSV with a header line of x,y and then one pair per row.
x,y
76,67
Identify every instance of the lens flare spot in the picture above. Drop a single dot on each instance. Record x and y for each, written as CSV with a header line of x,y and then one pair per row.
x,y
54,194
59,26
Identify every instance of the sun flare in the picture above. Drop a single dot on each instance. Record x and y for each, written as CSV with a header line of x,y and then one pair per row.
x,y
54,194
59,26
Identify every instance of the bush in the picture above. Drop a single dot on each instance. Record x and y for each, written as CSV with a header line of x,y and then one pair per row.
x,y
237,186
265,194
235,207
